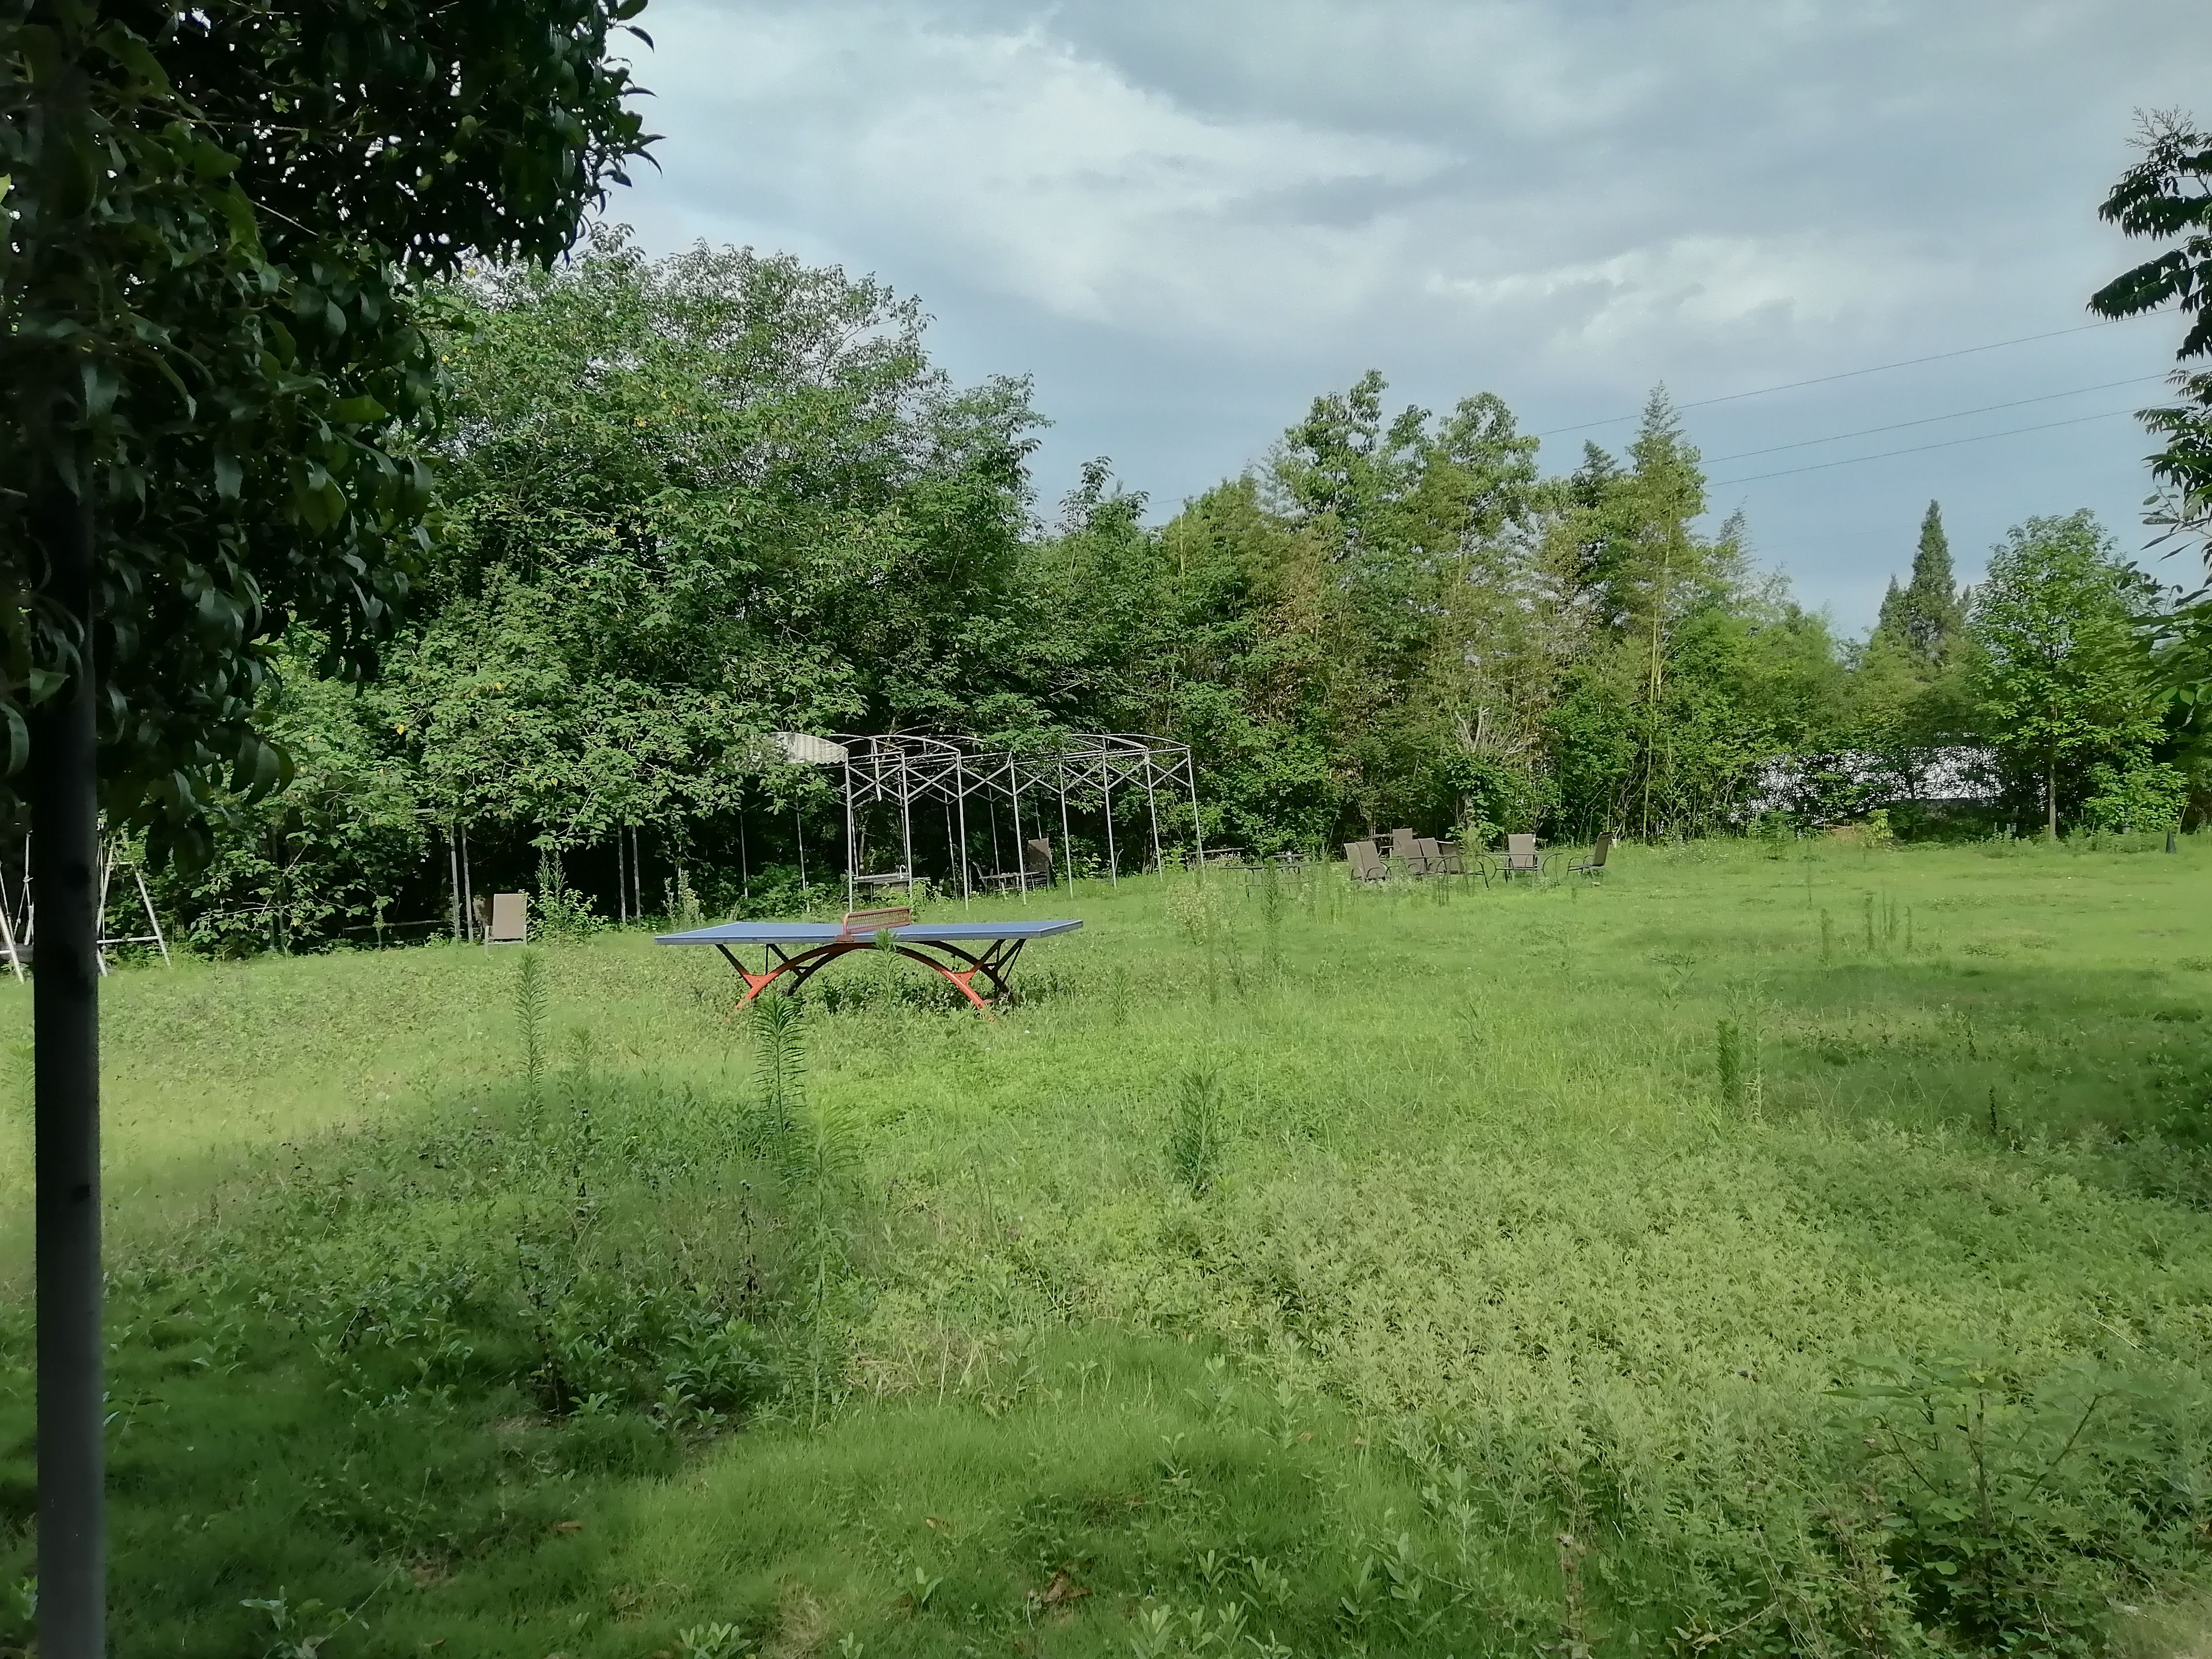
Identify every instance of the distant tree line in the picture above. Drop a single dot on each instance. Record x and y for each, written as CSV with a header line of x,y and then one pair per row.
x,y
683,503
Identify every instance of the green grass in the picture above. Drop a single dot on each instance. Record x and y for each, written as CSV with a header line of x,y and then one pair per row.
x,y
1649,1267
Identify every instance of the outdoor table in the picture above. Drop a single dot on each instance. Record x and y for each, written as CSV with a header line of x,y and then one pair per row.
x,y
958,950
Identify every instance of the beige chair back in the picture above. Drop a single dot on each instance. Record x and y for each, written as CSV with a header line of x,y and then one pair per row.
x,y
1366,862
1040,858
1521,853
510,920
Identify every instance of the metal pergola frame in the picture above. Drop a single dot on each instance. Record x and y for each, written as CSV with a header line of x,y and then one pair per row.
x,y
906,770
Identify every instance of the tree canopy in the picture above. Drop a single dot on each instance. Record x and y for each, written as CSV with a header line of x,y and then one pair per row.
x,y
216,222
685,502
2063,675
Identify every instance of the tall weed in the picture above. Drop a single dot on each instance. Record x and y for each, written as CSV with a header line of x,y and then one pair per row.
x,y
1198,1130
1199,908
529,1022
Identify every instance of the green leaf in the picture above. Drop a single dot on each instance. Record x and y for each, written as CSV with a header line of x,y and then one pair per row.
x,y
359,411
323,503
126,48
101,384
212,161
228,476
19,738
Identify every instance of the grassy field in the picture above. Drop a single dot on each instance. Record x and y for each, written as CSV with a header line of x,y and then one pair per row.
x,y
1755,1254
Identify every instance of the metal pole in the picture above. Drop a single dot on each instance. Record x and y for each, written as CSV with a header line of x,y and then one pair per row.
x,y
99,916
453,858
468,885
960,795
7,938
1113,861
852,852
744,869
1152,806
1197,830
72,1518
798,834
905,822
1021,847
1067,845
636,874
622,886
152,921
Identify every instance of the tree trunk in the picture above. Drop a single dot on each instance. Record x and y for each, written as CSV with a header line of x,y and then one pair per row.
x,y
65,1029
2051,796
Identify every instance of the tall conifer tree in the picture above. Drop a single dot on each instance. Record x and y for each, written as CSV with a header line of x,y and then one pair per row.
x,y
1923,617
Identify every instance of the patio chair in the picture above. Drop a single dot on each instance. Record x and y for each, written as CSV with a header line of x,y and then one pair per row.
x,y
1594,866
1452,860
510,920
1427,857
1520,858
1036,859
1367,864
1401,846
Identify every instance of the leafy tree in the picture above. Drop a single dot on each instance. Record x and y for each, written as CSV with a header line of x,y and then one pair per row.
x,y
2063,681
341,841
213,221
674,486
215,217
2167,196
688,501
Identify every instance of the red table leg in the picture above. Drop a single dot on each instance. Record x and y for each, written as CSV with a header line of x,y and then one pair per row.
x,y
993,963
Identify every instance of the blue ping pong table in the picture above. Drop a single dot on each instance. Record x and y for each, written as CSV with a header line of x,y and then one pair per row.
x,y
958,951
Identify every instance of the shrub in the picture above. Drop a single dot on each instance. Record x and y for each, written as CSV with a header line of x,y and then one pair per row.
x,y
2137,795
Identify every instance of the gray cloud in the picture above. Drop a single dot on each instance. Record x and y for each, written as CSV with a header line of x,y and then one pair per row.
x,y
1187,220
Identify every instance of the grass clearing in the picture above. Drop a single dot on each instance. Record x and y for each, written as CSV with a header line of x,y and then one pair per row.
x,y
1751,1253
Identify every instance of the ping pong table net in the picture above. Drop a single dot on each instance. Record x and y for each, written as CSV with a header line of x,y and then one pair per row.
x,y
860,924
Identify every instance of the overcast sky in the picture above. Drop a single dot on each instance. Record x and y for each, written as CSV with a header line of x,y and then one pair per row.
x,y
1184,220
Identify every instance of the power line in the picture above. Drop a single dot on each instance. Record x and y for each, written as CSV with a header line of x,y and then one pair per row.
x,y
1849,375
1930,419
1948,443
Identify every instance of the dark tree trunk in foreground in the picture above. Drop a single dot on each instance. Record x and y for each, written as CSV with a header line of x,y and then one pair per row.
x,y
2051,797
65,1029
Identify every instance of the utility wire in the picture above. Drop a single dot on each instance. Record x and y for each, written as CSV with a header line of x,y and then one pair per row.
x,y
1930,419
1948,443
1849,375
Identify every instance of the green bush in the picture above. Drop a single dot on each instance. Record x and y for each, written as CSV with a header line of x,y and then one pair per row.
x,y
2137,795
2017,1512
